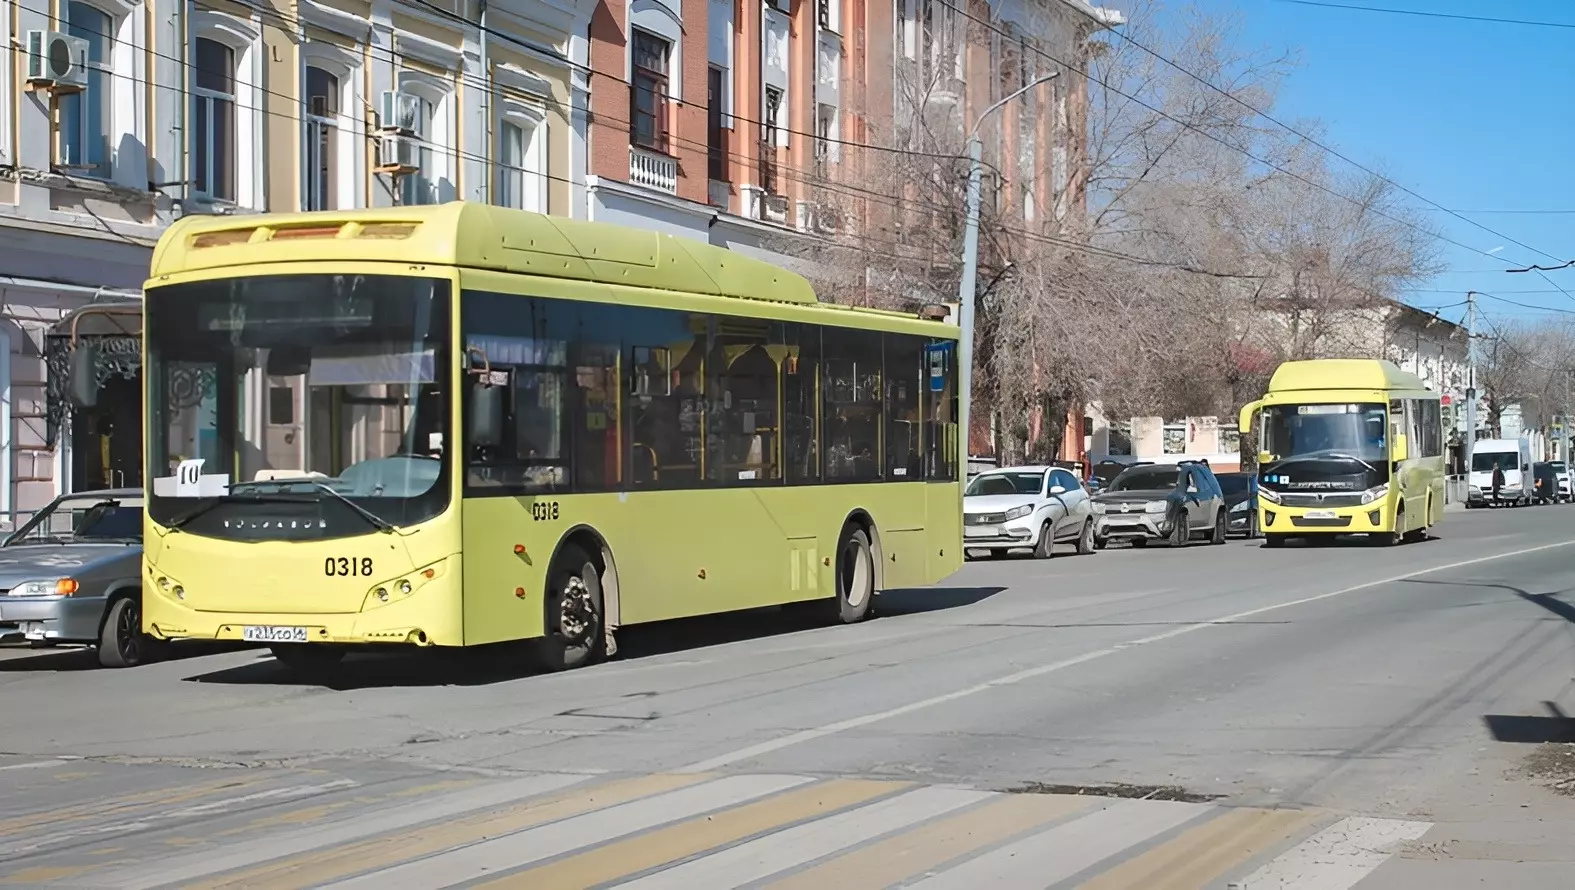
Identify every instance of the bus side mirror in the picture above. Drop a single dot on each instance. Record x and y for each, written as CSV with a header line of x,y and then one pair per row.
x,y
1400,449
485,416
1265,457
84,374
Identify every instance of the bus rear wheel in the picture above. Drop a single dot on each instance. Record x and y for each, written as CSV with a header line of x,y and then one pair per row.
x,y
855,577
573,607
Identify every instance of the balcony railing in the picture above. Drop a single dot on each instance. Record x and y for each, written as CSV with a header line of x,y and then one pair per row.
x,y
653,170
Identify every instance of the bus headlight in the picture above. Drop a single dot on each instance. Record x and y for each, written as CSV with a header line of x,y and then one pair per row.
x,y
1269,495
1376,493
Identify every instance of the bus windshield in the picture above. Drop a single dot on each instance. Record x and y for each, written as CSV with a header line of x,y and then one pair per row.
x,y
317,399
1353,431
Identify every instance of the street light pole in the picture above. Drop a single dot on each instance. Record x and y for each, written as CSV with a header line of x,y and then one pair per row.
x,y
970,272
1471,379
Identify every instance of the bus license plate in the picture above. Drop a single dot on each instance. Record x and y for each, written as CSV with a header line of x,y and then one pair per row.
x,y
256,634
1320,514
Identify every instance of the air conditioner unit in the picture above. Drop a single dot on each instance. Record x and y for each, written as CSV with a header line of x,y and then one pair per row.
x,y
398,154
56,62
401,113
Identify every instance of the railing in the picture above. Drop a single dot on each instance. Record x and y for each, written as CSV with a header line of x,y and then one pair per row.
x,y
653,170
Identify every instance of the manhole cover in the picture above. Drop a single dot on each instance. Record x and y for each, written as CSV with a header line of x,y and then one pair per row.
x,y
1131,792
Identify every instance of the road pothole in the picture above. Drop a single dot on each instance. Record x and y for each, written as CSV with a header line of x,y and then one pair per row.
x,y
1117,789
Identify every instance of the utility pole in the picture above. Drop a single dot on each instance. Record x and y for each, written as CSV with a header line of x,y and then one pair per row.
x,y
966,288
1471,378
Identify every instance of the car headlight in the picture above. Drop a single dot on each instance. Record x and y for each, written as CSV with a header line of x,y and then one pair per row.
x,y
1019,512
1269,495
56,587
1097,507
1157,507
1376,493
1241,507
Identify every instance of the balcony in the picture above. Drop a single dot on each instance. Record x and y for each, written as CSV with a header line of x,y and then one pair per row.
x,y
653,170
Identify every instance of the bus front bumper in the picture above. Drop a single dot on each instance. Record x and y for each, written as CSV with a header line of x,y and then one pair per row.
x,y
1274,519
165,619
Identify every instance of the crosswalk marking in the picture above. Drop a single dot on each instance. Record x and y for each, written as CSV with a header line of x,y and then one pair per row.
x,y
280,829
697,835
782,850
1059,853
1204,852
343,845
488,857
1337,857
915,852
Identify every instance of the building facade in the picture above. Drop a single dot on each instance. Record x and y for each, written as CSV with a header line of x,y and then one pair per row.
x,y
122,115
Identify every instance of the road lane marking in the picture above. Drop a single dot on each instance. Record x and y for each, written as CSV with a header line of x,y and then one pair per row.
x,y
808,735
1203,853
1338,857
913,853
675,843
114,808
782,850
353,828
1062,851
485,858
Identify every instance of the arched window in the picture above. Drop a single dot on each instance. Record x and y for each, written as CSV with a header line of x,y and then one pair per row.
x,y
226,109
86,118
213,125
434,180
521,158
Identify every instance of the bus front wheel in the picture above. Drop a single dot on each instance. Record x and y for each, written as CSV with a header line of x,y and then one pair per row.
x,y
573,612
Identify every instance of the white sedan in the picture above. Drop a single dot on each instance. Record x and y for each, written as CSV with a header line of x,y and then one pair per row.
x,y
1026,507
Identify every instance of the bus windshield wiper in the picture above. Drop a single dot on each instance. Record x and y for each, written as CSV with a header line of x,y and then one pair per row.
x,y
1318,455
181,520
375,520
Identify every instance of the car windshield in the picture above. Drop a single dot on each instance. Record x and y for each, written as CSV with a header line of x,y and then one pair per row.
x,y
1234,483
1485,461
1328,431
1558,466
986,484
1147,479
83,521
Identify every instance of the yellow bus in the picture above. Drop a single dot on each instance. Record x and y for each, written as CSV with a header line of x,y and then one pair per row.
x,y
1348,446
457,425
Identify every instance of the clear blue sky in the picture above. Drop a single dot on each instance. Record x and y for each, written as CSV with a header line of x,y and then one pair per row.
x,y
1472,115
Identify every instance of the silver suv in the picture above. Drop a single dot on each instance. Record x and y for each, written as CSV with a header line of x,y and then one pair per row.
x,y
1175,503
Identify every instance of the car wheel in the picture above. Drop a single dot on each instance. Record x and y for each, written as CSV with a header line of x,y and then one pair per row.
x,y
1180,531
1085,541
1220,521
1045,548
121,642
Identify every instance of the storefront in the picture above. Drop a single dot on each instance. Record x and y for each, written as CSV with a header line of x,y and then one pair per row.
x,y
97,426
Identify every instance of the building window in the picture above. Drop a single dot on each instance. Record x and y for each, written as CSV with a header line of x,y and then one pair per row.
x,y
521,171
419,187
716,134
825,137
86,117
213,128
322,140
824,13
648,91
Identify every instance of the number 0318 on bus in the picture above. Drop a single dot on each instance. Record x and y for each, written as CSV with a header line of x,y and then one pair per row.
x,y
459,424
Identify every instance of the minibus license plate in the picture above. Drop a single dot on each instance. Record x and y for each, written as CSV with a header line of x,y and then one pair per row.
x,y
255,634
1320,514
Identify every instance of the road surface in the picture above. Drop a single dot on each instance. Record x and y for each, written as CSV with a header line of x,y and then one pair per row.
x,y
1320,718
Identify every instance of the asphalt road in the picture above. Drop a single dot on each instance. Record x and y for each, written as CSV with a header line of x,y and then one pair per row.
x,y
1319,718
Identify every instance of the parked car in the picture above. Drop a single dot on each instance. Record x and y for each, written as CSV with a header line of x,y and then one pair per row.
x,y
1241,502
1545,483
1099,477
1513,456
73,574
1171,503
1026,507
1562,471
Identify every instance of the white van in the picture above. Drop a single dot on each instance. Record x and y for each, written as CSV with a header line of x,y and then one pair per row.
x,y
1514,456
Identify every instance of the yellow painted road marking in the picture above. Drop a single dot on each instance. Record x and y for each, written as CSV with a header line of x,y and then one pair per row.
x,y
116,807
34,876
674,842
1195,857
307,815
334,863
912,853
